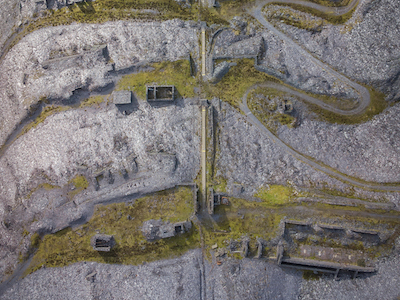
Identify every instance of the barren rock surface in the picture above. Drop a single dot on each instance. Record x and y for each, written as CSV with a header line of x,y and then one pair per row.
x,y
249,158
42,64
283,61
179,278
372,146
182,278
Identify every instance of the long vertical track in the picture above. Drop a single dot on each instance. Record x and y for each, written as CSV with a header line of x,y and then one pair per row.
x,y
203,154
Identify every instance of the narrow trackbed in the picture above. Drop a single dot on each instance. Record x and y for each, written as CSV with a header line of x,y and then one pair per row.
x,y
365,99
310,99
335,11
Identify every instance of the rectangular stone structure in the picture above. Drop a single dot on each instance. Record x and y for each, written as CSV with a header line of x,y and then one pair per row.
x,y
160,93
102,242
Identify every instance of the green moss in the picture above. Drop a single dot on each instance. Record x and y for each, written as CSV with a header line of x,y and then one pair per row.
x,y
275,194
239,218
175,73
311,275
259,102
329,17
25,233
124,222
221,184
46,186
35,240
237,81
361,262
331,3
92,101
377,105
80,183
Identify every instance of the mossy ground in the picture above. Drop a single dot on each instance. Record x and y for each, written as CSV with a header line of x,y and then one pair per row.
x,y
377,105
331,3
275,194
237,81
124,222
79,183
302,23
172,73
92,101
263,103
241,218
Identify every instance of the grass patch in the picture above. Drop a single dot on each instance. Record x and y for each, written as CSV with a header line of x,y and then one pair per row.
x,y
46,186
237,81
175,73
221,184
92,101
275,194
241,218
311,275
331,3
264,104
377,105
80,183
329,17
124,222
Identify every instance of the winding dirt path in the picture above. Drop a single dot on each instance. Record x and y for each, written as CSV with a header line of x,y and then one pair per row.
x,y
364,93
336,11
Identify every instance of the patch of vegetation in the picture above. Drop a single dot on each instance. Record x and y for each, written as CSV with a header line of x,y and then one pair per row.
x,y
229,8
331,3
377,105
124,222
263,103
221,184
237,81
361,262
295,18
311,275
329,17
241,218
46,186
80,183
175,73
275,194
92,101
35,240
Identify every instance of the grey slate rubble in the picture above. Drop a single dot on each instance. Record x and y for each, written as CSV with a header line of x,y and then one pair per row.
x,y
31,72
122,97
280,59
158,229
181,278
352,149
366,48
